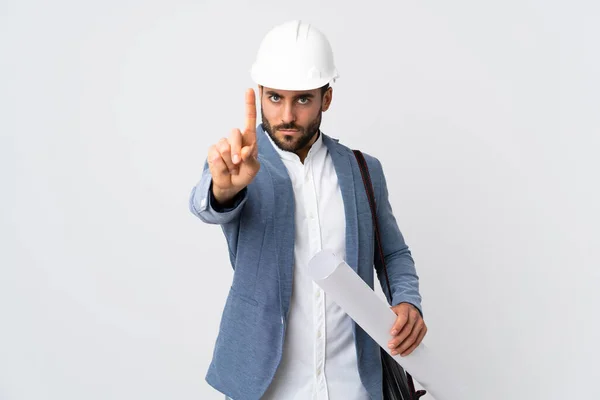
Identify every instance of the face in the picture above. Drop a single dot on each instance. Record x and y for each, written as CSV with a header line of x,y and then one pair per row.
x,y
292,118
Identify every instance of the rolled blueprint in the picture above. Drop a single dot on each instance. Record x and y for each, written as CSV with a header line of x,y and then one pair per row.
x,y
375,317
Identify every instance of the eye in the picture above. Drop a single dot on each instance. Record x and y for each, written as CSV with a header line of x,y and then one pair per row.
x,y
303,100
274,98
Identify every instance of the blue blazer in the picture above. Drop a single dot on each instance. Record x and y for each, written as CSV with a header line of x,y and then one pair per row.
x,y
259,229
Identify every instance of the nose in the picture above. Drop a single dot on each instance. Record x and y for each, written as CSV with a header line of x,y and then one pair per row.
x,y
288,115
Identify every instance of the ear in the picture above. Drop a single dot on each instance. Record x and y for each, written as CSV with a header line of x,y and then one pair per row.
x,y
327,97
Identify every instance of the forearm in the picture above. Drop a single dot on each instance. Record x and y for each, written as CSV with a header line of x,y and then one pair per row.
x,y
404,281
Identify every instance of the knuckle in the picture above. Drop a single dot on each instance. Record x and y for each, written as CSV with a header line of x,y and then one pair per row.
x,y
224,147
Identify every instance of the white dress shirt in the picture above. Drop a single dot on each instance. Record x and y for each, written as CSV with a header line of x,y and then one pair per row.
x,y
319,355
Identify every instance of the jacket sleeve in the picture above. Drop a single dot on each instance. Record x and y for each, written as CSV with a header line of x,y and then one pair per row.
x,y
203,205
404,280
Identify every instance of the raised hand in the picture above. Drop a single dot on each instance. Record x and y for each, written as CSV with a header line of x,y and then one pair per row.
x,y
233,161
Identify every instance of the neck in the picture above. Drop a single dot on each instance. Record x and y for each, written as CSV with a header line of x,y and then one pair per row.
x,y
302,153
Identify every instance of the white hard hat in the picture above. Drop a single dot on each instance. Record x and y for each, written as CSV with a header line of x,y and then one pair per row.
x,y
294,56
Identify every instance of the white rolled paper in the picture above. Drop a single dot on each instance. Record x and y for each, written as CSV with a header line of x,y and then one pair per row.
x,y
375,317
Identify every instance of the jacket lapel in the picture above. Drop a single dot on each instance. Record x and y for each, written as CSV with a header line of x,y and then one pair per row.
x,y
283,206
342,162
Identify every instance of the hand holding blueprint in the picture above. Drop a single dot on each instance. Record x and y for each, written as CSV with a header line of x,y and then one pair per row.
x,y
375,317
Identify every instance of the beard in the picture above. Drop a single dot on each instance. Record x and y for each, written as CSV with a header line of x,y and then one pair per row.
x,y
296,142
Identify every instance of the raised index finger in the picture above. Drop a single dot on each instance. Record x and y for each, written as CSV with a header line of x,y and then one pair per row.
x,y
250,129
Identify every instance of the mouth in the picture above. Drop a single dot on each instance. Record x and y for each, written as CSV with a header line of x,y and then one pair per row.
x,y
289,131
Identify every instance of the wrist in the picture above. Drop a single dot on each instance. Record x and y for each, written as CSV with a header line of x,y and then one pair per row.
x,y
224,198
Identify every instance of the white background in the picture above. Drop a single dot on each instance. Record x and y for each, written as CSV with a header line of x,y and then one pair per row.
x,y
484,115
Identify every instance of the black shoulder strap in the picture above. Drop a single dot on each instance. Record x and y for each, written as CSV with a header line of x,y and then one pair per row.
x,y
366,177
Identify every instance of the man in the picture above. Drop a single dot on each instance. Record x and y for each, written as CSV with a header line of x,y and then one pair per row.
x,y
282,192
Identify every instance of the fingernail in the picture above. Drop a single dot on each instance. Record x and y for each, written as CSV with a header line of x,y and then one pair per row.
x,y
235,158
394,352
394,332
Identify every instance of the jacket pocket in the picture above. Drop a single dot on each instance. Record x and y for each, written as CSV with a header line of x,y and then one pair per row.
x,y
237,363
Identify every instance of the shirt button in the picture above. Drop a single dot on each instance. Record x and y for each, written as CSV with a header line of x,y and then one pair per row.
x,y
319,334
318,294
